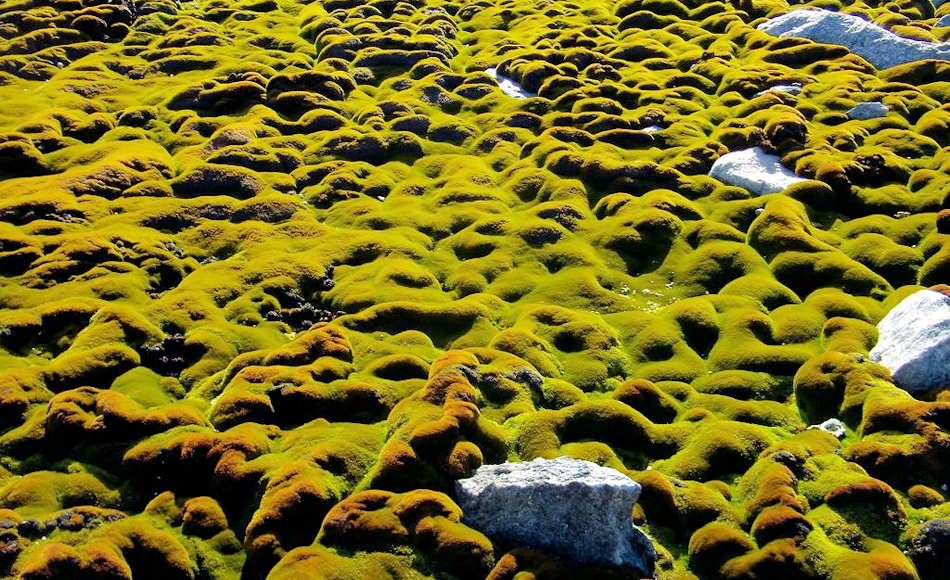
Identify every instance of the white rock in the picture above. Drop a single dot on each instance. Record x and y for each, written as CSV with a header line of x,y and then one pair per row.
x,y
755,170
574,508
877,45
914,341
507,85
792,89
652,128
833,426
869,110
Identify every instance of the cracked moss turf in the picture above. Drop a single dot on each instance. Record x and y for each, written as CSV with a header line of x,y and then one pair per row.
x,y
274,274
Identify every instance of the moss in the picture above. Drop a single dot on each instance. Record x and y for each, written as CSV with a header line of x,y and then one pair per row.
x,y
718,448
426,520
438,433
43,492
520,562
321,563
122,548
779,558
107,416
715,543
147,388
715,264
804,273
202,516
647,398
923,496
260,259
743,385
780,522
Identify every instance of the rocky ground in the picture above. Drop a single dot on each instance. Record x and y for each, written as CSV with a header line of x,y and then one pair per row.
x,y
275,274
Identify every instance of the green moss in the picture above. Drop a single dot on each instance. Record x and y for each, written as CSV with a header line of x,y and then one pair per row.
x,y
744,385
40,492
259,259
426,520
718,448
715,543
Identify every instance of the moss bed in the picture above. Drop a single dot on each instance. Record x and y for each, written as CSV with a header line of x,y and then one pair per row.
x,y
275,273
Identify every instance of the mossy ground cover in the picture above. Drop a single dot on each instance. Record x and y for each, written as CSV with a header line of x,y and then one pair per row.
x,y
275,273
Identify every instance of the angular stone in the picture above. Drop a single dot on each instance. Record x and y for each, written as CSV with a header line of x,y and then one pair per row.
x,y
914,341
875,44
869,110
755,170
929,548
569,507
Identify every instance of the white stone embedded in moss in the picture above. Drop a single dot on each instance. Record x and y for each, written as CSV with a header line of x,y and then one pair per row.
x,y
576,509
753,169
869,110
792,89
833,426
508,85
877,45
914,341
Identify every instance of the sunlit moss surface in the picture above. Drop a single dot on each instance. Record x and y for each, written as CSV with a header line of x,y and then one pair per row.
x,y
274,274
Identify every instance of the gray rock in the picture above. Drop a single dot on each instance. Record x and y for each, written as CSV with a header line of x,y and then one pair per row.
x,y
877,45
944,21
929,549
833,426
755,170
914,341
572,508
869,110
